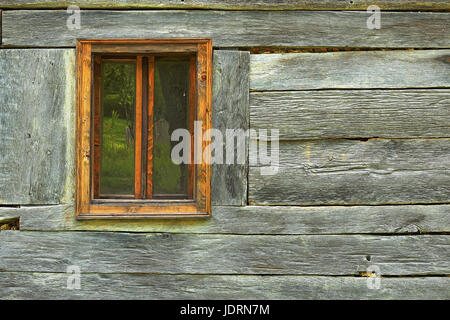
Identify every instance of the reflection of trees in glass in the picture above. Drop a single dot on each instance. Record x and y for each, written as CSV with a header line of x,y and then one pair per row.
x,y
117,140
119,88
170,113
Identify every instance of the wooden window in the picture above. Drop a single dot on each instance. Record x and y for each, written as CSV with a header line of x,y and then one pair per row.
x,y
131,96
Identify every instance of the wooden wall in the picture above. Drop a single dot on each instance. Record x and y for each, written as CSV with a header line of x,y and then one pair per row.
x,y
364,172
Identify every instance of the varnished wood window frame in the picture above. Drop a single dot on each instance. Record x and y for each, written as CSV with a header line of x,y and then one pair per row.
x,y
85,205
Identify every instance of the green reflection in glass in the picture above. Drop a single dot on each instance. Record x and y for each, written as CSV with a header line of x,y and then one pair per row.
x,y
118,128
171,105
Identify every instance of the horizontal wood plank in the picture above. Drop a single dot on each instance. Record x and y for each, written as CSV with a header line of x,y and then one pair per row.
x,y
352,113
48,28
151,286
108,252
37,94
231,5
53,217
350,70
253,220
335,171
230,111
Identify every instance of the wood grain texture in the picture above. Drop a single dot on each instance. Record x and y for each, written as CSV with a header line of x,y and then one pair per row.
x,y
191,118
37,96
15,285
150,121
204,118
47,28
231,4
97,126
107,252
83,128
47,218
350,70
253,220
352,113
377,171
230,111
138,189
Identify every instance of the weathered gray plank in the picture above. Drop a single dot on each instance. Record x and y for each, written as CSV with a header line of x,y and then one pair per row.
x,y
254,220
232,4
230,111
132,286
350,70
54,217
108,252
377,171
48,28
36,126
352,113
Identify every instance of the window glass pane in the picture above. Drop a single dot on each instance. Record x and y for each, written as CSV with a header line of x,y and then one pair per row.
x,y
171,105
117,128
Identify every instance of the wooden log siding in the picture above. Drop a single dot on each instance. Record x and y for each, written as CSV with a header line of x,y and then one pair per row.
x,y
100,252
352,113
254,220
47,28
16,285
231,5
350,70
37,95
230,111
339,171
245,252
